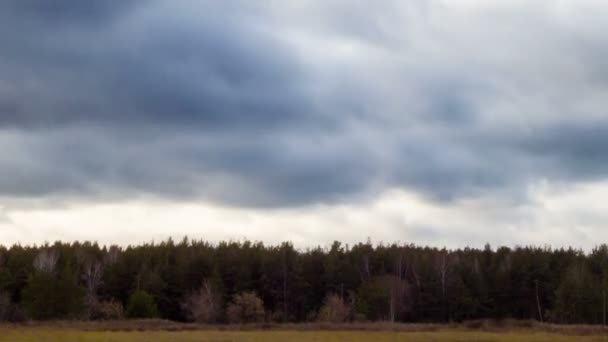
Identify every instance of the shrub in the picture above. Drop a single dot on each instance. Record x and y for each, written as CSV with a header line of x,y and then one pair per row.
x,y
16,314
246,307
334,310
278,316
107,310
141,305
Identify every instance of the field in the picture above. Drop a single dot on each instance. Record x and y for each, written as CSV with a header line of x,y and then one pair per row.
x,y
150,332
50,334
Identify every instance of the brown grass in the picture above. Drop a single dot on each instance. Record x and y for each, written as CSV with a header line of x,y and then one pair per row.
x,y
166,331
495,326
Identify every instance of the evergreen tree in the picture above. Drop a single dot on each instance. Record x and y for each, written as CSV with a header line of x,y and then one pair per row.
x,y
50,296
141,305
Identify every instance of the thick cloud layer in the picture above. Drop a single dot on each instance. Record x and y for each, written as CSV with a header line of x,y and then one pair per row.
x,y
295,103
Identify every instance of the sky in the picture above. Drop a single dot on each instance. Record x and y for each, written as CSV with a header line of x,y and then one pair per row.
x,y
442,122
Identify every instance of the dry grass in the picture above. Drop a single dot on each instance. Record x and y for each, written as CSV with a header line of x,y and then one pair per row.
x,y
164,325
52,334
160,330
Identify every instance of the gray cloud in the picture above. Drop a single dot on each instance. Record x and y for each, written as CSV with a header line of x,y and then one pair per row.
x,y
279,104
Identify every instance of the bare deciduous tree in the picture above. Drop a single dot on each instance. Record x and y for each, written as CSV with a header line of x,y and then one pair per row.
x,y
92,275
442,265
203,305
334,309
46,260
399,295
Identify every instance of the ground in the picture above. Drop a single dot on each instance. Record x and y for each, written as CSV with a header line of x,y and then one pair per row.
x,y
161,330
51,334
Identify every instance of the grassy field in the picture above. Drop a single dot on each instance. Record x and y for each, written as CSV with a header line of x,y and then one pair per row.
x,y
51,334
162,330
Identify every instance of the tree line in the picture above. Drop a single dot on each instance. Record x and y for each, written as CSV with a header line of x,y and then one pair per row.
x,y
241,282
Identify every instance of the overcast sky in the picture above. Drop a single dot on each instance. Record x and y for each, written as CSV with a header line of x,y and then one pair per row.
x,y
440,122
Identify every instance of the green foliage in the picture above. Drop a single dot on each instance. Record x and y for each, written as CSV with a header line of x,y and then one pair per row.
x,y
50,296
141,305
372,301
578,297
402,282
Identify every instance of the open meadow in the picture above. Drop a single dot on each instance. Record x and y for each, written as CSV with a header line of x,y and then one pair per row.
x,y
108,333
50,334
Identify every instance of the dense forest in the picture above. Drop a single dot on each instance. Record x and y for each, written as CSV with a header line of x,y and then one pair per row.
x,y
240,282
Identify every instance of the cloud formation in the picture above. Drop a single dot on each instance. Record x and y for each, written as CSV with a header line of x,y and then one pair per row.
x,y
289,104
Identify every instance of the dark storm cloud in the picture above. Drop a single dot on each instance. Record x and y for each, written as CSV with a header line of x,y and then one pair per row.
x,y
245,170
573,149
210,70
248,104
65,11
